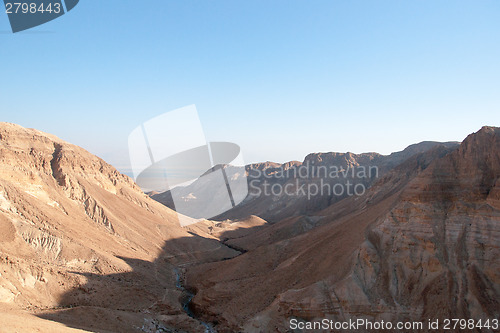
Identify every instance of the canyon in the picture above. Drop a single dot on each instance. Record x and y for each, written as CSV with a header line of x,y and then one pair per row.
x,y
82,248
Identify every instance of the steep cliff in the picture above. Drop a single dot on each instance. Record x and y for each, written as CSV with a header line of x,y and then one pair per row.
x,y
421,243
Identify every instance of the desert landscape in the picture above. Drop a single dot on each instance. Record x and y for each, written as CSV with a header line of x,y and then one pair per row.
x,y
84,249
225,166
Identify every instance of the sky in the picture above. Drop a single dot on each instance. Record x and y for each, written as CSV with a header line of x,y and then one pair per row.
x,y
281,78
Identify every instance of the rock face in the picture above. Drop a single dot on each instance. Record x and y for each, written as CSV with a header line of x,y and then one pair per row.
x,y
76,236
421,243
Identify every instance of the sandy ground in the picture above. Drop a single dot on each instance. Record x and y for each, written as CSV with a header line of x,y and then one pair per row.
x,y
15,320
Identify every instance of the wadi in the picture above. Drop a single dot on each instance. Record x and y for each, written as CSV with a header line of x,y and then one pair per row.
x,y
83,248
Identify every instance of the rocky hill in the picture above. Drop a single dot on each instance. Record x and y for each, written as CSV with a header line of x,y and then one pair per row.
x,y
79,241
422,243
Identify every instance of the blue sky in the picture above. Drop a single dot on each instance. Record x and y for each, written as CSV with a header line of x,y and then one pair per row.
x,y
280,78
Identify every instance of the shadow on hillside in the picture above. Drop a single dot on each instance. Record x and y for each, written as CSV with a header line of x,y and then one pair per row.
x,y
150,297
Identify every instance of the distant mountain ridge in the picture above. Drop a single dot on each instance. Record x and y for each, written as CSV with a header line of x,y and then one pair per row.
x,y
277,207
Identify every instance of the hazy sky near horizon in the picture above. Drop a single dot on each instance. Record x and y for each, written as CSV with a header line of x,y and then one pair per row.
x,y
281,78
